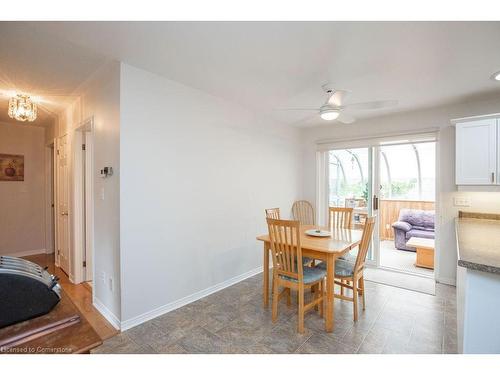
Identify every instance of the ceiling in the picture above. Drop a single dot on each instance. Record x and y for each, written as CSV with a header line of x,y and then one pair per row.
x,y
47,68
266,65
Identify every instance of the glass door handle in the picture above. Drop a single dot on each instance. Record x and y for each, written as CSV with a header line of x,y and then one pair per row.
x,y
375,202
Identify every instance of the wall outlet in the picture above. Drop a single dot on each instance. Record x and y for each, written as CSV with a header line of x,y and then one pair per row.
x,y
111,284
461,202
103,277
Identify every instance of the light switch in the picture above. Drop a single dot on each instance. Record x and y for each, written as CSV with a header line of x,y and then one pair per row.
x,y
102,193
461,202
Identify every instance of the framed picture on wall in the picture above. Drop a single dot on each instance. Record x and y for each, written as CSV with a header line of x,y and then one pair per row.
x,y
11,167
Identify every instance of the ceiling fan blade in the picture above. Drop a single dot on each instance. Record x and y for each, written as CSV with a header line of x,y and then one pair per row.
x,y
308,121
345,118
297,109
373,105
338,97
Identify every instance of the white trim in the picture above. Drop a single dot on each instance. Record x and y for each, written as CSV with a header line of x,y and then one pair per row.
x,y
49,198
110,317
56,201
81,133
186,300
481,117
446,280
27,253
423,135
437,209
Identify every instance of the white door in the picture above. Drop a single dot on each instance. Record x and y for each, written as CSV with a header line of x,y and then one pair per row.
x,y
62,208
476,152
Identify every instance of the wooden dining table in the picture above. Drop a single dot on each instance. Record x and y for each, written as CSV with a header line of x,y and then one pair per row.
x,y
326,249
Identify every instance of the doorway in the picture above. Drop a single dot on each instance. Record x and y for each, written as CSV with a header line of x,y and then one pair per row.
x,y
407,177
83,203
62,257
393,179
50,215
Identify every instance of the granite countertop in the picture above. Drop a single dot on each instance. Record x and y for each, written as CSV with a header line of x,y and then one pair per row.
x,y
478,241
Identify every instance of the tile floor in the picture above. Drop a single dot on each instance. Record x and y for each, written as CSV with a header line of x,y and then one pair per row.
x,y
400,259
234,321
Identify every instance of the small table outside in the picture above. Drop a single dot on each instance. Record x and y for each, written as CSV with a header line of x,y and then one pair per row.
x,y
425,251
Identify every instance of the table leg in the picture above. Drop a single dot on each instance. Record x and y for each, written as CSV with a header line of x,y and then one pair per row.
x,y
330,282
265,273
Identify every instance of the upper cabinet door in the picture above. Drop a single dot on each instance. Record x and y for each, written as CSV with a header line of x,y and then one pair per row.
x,y
476,152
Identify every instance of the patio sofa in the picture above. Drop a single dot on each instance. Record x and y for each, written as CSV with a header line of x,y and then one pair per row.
x,y
412,223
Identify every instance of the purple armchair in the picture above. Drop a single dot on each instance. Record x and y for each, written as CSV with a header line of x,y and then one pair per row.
x,y
412,223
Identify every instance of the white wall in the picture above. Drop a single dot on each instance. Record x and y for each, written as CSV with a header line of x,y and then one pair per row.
x,y
413,121
197,173
22,212
100,98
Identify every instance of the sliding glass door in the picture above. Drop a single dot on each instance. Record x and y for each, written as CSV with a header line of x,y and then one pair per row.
x,y
401,172
350,183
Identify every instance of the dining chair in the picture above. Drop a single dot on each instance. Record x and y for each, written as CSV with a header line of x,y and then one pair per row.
x,y
273,213
303,211
289,271
350,275
340,217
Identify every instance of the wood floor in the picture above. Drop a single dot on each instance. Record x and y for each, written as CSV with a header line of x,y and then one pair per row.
x,y
80,294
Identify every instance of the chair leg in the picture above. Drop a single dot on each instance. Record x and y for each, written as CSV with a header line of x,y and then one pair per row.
x,y
362,287
314,292
355,298
301,309
276,298
322,295
289,297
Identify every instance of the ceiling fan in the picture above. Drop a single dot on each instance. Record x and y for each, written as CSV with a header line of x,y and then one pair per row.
x,y
335,108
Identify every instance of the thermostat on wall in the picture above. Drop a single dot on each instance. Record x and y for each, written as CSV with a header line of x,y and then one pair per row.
x,y
106,172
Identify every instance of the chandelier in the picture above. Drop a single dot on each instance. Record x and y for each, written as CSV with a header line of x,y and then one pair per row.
x,y
22,108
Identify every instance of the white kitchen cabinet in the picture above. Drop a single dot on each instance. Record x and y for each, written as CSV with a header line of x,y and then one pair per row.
x,y
477,147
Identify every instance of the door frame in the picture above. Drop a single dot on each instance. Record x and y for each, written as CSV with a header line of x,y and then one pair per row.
x,y
83,202
374,142
57,208
50,197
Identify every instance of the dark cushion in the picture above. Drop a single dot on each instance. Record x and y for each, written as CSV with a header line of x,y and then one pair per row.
x,y
343,268
311,275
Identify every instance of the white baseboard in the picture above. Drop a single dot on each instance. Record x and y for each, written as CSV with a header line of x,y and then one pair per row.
x,y
129,323
110,317
27,253
446,280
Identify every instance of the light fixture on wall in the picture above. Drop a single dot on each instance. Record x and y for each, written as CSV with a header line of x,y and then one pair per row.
x,y
22,108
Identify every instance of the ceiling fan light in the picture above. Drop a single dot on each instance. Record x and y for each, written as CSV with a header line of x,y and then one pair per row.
x,y
329,114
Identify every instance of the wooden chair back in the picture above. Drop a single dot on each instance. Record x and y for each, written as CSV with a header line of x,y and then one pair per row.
x,y
273,213
284,238
340,217
303,211
365,243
